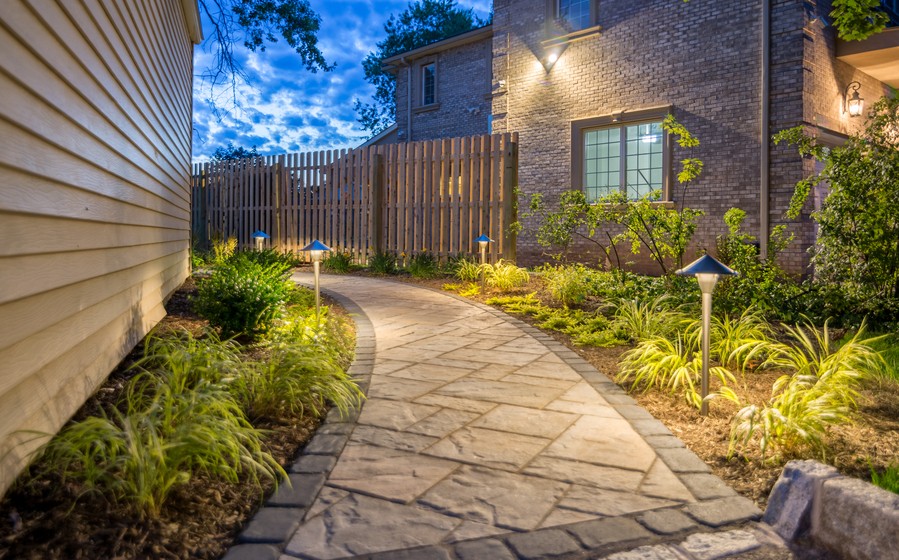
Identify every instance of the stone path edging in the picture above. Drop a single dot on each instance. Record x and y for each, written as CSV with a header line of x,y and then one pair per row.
x,y
717,506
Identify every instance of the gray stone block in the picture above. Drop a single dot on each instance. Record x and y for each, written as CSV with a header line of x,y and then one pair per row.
x,y
858,520
724,511
300,493
790,502
337,428
666,521
633,411
706,486
651,427
613,530
482,549
659,552
664,442
537,545
271,525
252,552
620,398
310,464
682,460
335,415
324,444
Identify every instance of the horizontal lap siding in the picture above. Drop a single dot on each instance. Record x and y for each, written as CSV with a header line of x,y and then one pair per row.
x,y
95,123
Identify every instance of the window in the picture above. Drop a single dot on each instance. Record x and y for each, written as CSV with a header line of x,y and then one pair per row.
x,y
575,13
429,84
631,157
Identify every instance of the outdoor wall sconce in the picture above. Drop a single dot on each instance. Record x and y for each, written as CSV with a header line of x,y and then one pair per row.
x,y
260,236
550,57
483,241
707,271
316,251
854,104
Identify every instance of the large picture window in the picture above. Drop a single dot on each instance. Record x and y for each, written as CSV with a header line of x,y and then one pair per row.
x,y
610,157
429,84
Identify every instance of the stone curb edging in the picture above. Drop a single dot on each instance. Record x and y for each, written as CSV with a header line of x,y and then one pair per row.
x,y
814,504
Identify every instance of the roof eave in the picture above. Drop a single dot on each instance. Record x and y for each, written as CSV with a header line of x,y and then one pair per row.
x,y
472,36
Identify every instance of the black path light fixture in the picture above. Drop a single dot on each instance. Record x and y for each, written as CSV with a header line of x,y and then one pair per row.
x,y
707,270
855,104
259,237
316,251
483,241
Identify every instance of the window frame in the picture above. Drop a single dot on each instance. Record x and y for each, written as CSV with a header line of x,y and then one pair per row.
x,y
621,121
554,8
423,83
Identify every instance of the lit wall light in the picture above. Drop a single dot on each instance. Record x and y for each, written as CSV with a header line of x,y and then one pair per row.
x,y
550,57
855,104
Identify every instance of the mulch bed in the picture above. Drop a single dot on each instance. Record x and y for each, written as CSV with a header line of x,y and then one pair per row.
x,y
49,519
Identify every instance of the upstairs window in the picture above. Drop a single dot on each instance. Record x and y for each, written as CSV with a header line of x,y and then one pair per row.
x,y
576,14
429,84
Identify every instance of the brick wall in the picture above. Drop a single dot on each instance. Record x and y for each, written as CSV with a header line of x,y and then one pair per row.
x,y
463,94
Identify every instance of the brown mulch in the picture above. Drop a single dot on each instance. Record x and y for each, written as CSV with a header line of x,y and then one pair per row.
x,y
870,441
49,519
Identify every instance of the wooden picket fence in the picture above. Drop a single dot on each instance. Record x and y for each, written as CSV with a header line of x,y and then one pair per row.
x,y
431,196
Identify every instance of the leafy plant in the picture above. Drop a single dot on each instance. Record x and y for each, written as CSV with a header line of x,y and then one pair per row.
x,y
739,341
243,297
181,354
338,261
888,479
167,432
820,391
467,270
223,249
505,276
671,366
646,319
265,257
567,284
423,265
470,290
382,263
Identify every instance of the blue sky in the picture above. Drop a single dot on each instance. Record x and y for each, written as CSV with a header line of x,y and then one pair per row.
x,y
285,108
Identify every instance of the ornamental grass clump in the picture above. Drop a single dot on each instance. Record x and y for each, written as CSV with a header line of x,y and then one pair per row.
x,y
338,261
466,270
648,318
568,285
382,263
423,265
243,297
505,276
820,390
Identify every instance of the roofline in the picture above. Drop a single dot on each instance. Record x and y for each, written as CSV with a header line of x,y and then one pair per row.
x,y
191,12
454,41
387,131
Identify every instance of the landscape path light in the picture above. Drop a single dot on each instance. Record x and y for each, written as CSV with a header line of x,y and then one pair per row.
x,y
483,241
259,236
707,271
316,251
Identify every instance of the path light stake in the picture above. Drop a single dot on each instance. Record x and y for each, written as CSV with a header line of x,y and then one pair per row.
x,y
316,249
707,270
259,236
483,240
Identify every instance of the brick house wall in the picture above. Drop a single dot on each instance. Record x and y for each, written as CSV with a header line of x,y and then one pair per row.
x,y
701,59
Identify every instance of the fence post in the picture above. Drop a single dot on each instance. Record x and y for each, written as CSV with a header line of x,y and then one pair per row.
x,y
376,229
510,181
279,184
199,198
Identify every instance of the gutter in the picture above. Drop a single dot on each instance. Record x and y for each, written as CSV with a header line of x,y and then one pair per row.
x,y
764,186
408,99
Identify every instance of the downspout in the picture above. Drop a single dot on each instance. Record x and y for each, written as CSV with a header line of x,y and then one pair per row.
x,y
765,133
408,99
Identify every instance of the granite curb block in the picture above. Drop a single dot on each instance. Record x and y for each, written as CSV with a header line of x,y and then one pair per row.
x,y
271,528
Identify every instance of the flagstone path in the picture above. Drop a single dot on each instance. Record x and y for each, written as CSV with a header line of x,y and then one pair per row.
x,y
483,437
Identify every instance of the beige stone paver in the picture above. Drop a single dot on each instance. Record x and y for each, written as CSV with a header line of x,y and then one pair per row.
x,y
475,427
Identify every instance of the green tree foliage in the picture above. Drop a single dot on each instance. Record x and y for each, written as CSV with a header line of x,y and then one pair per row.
x,y
422,23
663,230
230,152
858,243
254,24
858,19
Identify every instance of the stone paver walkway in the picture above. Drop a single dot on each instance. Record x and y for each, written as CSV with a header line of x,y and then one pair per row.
x,y
484,438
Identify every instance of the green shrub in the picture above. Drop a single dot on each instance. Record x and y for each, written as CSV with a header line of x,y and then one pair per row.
x,y
670,366
338,261
181,354
223,249
887,346
266,257
505,276
382,263
466,270
820,391
423,265
739,341
648,319
243,297
167,432
567,285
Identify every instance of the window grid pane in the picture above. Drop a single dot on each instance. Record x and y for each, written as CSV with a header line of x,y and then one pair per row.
x,y
641,166
601,162
644,159
576,13
428,85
